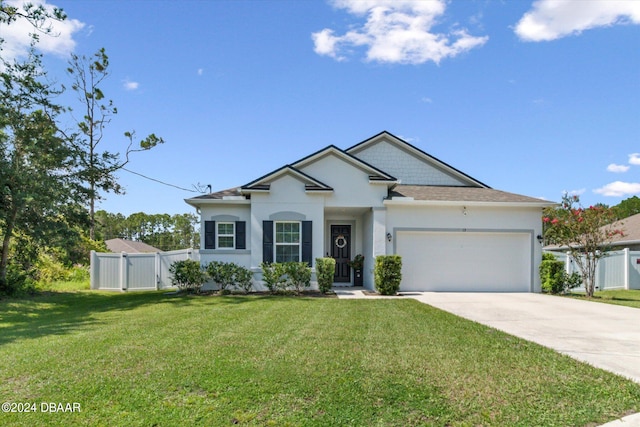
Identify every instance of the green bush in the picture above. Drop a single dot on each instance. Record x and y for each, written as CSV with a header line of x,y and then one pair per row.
x,y
298,275
243,278
325,270
188,275
553,277
50,269
18,283
273,276
222,273
230,274
388,273
79,273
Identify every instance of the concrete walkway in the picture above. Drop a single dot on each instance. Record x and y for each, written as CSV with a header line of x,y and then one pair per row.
x,y
603,335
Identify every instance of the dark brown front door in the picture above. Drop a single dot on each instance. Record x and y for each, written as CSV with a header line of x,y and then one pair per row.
x,y
340,251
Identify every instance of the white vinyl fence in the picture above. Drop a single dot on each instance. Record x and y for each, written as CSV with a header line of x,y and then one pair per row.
x,y
135,272
617,270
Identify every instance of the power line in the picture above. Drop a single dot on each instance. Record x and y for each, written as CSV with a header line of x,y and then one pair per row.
x,y
160,182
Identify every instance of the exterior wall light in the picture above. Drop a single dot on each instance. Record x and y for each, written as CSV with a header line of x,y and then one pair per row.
x,y
389,237
540,238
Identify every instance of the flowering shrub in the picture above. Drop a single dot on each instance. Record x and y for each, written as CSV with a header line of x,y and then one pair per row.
x,y
585,233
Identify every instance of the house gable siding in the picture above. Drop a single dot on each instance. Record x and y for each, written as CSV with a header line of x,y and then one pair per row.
x,y
351,186
406,167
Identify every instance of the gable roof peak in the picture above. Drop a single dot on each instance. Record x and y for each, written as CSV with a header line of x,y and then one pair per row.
x,y
416,152
374,172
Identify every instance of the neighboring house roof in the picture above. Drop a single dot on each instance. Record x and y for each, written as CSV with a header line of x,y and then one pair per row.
x,y
630,227
460,194
129,246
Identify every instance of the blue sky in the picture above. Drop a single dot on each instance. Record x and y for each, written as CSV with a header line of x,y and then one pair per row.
x,y
530,97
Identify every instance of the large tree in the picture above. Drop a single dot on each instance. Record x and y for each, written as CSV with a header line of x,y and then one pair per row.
x,y
98,165
39,192
586,233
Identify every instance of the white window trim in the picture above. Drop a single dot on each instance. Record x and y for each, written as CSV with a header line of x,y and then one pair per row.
x,y
276,244
218,235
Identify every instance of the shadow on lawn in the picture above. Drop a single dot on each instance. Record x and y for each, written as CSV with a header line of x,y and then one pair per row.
x,y
58,313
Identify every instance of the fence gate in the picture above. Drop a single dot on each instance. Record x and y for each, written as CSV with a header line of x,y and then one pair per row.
x,y
617,270
141,271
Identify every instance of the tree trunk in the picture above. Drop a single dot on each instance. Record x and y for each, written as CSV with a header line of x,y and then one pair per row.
x,y
4,259
92,214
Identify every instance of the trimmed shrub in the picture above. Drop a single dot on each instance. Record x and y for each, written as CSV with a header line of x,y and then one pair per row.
x,y
553,277
298,275
243,278
273,276
223,273
188,275
325,270
388,274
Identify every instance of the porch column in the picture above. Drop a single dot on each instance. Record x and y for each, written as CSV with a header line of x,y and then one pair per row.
x,y
379,231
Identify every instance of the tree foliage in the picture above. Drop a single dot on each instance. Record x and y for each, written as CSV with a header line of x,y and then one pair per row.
x,y
40,193
164,231
627,207
36,14
585,233
97,165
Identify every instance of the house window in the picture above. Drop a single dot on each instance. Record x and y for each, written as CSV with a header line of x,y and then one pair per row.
x,y
226,235
287,241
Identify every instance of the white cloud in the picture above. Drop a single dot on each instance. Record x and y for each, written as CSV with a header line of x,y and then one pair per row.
x,y
395,31
553,19
619,189
617,168
634,159
58,42
426,100
200,71
578,192
129,85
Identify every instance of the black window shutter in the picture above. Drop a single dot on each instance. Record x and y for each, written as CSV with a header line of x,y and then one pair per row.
x,y
267,241
209,234
306,241
241,235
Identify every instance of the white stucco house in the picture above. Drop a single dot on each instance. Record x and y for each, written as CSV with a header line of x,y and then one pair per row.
x,y
381,196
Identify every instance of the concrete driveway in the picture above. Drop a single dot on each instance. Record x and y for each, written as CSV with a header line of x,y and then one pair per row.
x,y
603,335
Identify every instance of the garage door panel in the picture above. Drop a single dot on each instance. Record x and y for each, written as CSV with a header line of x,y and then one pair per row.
x,y
465,261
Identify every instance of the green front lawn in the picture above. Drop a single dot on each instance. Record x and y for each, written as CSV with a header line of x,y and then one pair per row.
x,y
145,359
630,298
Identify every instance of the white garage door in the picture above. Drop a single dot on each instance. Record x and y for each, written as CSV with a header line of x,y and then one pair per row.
x,y
465,261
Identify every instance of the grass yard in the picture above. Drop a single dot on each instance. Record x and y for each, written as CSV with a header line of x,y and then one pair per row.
x,y
629,298
147,359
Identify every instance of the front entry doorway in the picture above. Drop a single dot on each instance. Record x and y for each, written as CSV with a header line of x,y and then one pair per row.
x,y
341,252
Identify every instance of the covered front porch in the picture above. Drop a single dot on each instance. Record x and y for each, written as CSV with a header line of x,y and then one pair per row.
x,y
354,234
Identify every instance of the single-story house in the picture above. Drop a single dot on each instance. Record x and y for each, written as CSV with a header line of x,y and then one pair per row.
x,y
380,196
129,246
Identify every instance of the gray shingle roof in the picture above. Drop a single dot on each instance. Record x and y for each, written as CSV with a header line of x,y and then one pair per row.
x,y
129,246
462,194
218,195
631,228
